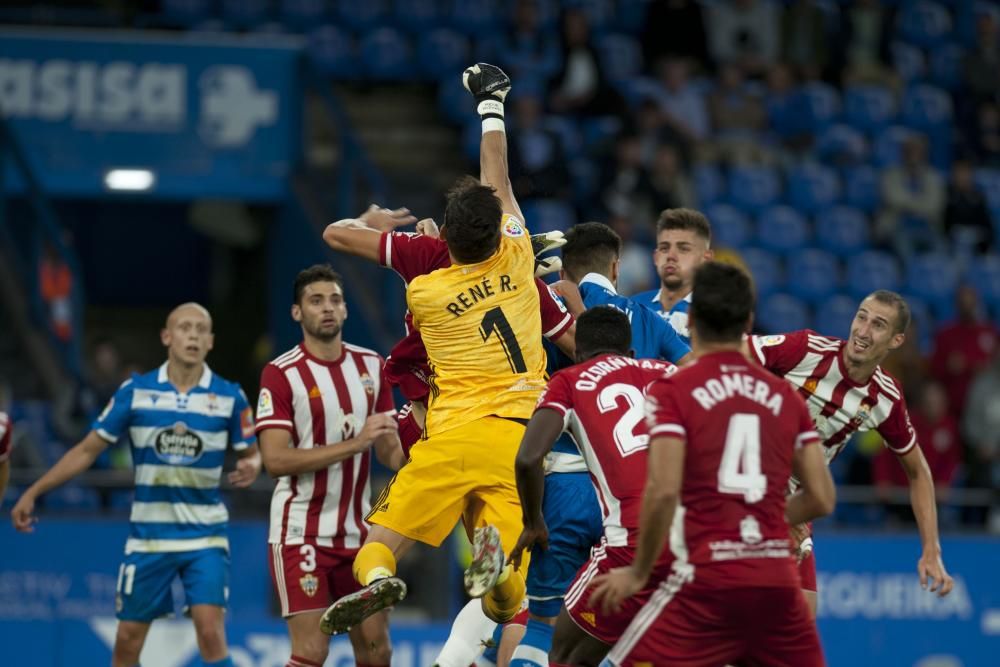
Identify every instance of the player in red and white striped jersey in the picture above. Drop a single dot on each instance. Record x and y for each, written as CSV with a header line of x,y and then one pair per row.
x,y
323,405
847,391
600,401
6,436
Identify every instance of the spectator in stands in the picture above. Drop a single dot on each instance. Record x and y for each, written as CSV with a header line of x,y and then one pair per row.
x,y
55,280
737,117
937,433
862,54
787,114
981,65
634,274
744,31
537,158
682,106
962,347
803,39
981,428
526,53
580,87
986,140
671,186
966,215
624,186
913,195
674,28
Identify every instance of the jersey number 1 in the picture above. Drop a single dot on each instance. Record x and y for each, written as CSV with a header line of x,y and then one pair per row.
x,y
495,320
739,471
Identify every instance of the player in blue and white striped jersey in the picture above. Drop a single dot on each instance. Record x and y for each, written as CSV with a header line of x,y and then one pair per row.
x,y
683,243
180,419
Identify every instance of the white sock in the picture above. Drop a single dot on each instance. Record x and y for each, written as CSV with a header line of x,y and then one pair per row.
x,y
470,629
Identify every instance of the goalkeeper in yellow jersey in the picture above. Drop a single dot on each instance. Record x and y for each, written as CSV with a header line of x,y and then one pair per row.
x,y
479,320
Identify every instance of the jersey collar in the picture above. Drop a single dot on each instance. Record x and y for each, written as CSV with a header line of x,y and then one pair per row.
x,y
598,279
204,382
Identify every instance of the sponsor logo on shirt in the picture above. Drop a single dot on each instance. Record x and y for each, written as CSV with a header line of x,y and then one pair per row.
x,y
177,445
265,404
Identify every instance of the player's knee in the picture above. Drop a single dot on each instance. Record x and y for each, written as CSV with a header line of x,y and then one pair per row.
x,y
314,649
128,643
211,640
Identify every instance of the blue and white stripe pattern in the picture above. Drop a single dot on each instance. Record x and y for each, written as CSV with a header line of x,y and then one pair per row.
x,y
178,447
677,316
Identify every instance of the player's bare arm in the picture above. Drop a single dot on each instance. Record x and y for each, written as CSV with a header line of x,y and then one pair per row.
x,y
389,451
360,236
930,567
281,459
570,294
72,463
664,478
539,437
818,496
247,468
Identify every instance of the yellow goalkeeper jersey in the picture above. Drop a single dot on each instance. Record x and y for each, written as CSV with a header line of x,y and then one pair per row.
x,y
483,332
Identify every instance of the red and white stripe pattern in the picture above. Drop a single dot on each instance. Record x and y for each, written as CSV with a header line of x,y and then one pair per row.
x,y
583,581
278,570
323,403
838,405
5,436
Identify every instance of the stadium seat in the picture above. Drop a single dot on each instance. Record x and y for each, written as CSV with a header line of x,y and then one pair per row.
x,y
887,145
946,66
599,132
474,17
812,187
908,61
362,16
245,14
926,108
334,53
812,274
638,89
386,54
621,56
453,101
585,178
862,189
834,316
842,144
569,134
765,268
988,181
303,14
72,496
842,230
872,270
933,277
547,215
417,16
869,107
730,227
822,103
922,318
984,275
187,13
754,188
781,312
782,229
600,13
925,24
709,184
442,53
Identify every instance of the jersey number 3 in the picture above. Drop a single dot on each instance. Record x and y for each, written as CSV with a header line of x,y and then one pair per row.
x,y
739,471
495,320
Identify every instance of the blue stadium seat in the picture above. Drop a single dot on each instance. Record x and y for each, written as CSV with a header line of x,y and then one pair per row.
x,y
888,142
362,16
834,316
984,274
842,230
598,132
600,13
730,227
908,61
454,102
754,188
813,274
926,24
988,181
765,268
842,144
946,66
584,174
474,17
812,187
303,14
862,189
782,229
417,16
926,108
386,54
334,53
780,312
709,184
569,134
72,496
244,14
621,56
822,103
631,15
869,107
872,270
934,278
443,53
546,215
922,317
187,13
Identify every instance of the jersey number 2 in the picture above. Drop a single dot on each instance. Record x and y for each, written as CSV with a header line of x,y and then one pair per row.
x,y
740,469
625,437
495,320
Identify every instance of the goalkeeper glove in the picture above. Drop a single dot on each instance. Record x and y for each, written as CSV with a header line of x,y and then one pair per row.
x,y
489,85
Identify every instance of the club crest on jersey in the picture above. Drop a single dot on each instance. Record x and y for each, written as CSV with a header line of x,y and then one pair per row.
x,y
309,584
862,415
771,341
213,403
265,404
512,227
177,445
368,383
750,530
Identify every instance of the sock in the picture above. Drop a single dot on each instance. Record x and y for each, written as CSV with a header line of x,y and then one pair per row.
x,y
468,633
225,662
296,661
490,655
374,561
504,600
533,651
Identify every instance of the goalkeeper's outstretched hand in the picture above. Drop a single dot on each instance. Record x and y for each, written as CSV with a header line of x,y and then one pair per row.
x,y
487,83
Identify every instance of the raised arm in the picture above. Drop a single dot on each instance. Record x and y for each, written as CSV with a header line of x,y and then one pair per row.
x,y
361,236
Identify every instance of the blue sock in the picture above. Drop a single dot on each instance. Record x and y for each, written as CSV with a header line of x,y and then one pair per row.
x,y
489,656
533,651
225,662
